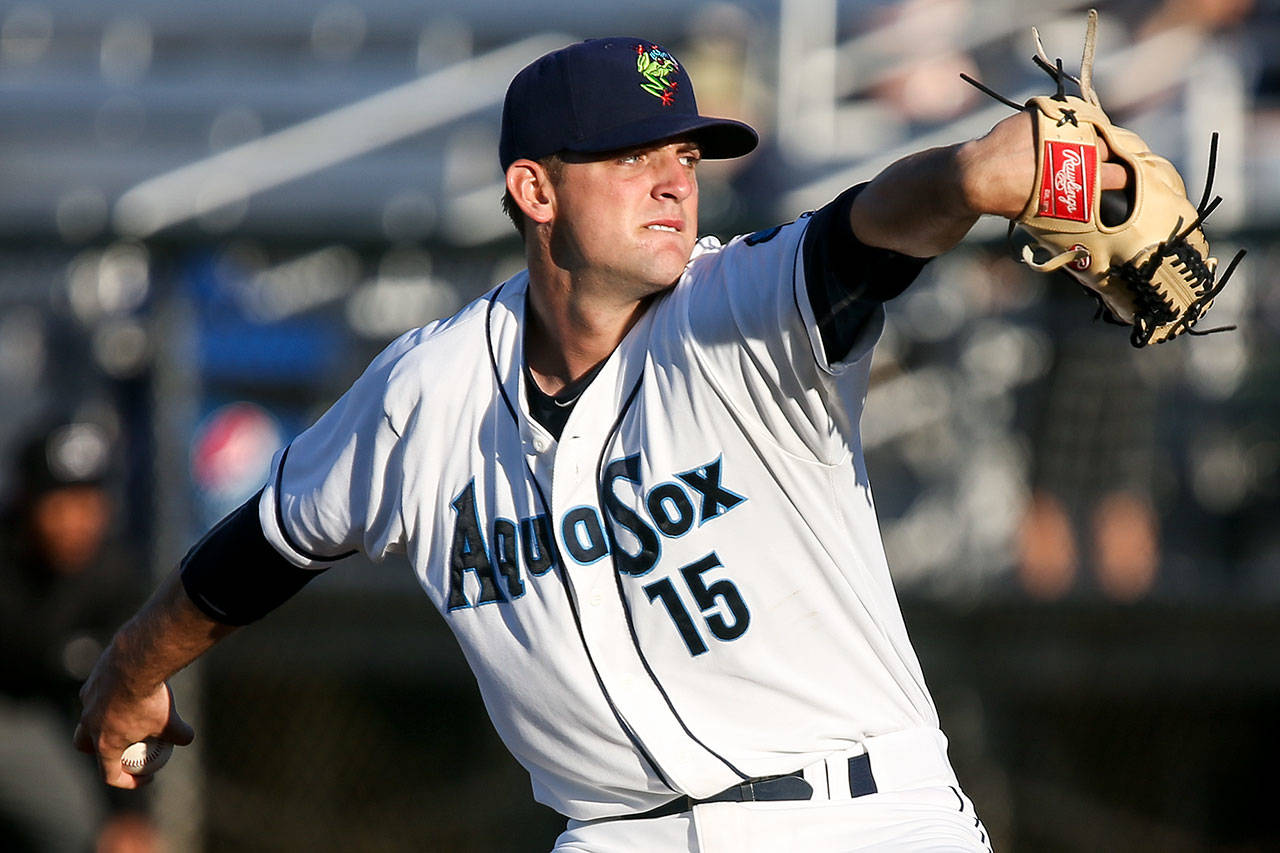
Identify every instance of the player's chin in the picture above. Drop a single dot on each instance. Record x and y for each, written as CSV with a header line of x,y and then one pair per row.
x,y
667,251
660,277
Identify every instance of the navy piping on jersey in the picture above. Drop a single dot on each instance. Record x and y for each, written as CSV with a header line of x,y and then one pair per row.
x,y
284,531
563,572
622,595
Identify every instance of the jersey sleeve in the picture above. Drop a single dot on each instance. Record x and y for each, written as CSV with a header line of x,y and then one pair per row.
x,y
847,280
336,489
753,321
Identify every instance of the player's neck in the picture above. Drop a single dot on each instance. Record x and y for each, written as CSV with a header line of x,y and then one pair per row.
x,y
569,333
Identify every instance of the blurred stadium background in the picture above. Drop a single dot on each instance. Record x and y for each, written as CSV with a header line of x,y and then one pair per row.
x,y
213,214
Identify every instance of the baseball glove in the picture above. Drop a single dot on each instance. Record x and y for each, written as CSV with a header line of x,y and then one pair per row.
x,y
1140,251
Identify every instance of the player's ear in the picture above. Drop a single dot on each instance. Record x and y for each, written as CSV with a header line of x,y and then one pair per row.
x,y
530,186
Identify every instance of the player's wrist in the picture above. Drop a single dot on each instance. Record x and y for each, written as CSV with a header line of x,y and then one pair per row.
x,y
119,672
995,173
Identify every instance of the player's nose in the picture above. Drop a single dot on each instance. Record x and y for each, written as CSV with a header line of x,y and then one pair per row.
x,y
673,178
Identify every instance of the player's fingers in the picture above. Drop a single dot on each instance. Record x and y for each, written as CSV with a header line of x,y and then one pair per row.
x,y
1114,176
113,772
108,756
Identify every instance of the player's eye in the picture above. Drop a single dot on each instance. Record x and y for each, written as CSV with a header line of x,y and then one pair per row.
x,y
629,159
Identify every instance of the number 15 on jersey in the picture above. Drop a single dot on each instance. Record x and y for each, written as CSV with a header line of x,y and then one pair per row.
x,y
723,611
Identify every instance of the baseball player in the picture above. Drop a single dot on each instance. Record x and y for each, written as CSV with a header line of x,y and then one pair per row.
x,y
630,478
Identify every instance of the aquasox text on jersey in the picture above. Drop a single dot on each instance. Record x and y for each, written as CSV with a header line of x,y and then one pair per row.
x,y
514,550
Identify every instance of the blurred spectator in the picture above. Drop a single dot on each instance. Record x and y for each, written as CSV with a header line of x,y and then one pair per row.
x,y
64,588
1144,79
926,57
1205,15
1091,504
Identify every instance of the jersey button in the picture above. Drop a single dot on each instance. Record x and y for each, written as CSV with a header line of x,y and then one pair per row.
x,y
540,444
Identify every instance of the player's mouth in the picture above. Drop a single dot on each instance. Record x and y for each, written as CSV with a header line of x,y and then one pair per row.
x,y
670,225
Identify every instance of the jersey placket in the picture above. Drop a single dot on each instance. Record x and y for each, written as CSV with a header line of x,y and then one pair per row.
x,y
571,465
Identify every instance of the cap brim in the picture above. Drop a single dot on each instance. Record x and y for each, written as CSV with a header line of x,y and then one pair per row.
x,y
718,138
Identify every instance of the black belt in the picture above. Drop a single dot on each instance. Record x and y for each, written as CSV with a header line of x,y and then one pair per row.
x,y
790,786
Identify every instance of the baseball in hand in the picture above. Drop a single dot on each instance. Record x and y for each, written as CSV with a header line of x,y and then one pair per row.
x,y
145,757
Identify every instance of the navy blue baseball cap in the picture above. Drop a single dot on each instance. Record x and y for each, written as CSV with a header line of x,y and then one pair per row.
x,y
605,94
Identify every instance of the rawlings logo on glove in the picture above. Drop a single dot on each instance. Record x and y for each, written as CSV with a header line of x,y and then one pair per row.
x,y
1069,174
1148,265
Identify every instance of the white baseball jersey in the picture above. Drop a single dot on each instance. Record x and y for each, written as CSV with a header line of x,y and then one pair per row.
x,y
688,589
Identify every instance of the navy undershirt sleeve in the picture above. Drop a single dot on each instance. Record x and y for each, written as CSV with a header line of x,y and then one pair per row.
x,y
845,278
234,575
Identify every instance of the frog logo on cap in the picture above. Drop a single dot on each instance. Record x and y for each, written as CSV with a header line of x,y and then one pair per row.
x,y
656,65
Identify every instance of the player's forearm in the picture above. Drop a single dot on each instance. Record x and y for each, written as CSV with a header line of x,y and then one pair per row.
x,y
126,698
167,634
925,203
916,206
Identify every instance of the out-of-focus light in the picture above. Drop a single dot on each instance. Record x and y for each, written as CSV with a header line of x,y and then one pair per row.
x,y
475,217
103,413
405,264
232,127
78,451
404,295
81,214
137,216
338,32
409,216
996,494
934,313
928,538
124,277
79,655
111,282
222,204
1217,366
906,403
999,356
125,56
25,34
121,347
442,42
299,284
1222,473
469,158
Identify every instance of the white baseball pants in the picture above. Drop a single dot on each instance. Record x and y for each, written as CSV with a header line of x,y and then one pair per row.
x,y
918,807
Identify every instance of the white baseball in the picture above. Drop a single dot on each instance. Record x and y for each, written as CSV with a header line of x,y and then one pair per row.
x,y
145,757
